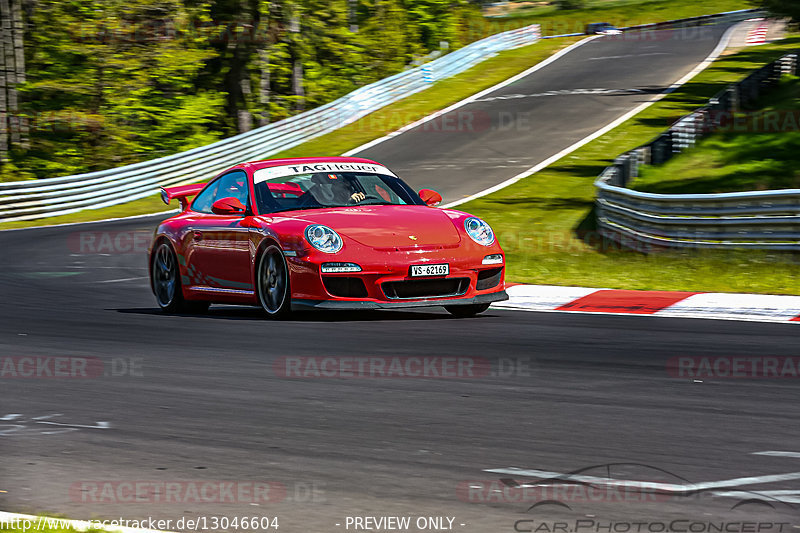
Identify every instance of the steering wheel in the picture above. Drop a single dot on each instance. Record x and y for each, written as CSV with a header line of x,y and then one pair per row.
x,y
367,197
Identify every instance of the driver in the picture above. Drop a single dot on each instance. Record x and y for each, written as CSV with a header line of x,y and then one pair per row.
x,y
334,189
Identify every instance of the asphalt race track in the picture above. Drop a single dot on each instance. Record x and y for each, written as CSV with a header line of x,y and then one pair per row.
x,y
517,126
188,400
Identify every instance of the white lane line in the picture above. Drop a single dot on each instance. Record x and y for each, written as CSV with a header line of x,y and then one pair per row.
x,y
663,487
98,425
132,217
794,455
784,496
470,99
723,43
562,92
93,267
45,417
630,55
122,279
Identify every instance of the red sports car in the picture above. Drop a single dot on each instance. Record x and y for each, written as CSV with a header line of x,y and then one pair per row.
x,y
324,233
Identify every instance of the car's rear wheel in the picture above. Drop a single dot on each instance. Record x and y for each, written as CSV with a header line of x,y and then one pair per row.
x,y
465,311
165,278
272,283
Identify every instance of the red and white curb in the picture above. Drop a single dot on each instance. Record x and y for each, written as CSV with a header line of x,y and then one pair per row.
x,y
712,305
757,35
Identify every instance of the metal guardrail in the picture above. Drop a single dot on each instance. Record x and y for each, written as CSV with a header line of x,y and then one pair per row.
x,y
717,18
29,200
767,220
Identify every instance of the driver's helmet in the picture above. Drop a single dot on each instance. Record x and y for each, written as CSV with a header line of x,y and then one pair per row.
x,y
331,187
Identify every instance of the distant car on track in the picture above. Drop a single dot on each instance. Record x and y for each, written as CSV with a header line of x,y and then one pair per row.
x,y
325,233
602,28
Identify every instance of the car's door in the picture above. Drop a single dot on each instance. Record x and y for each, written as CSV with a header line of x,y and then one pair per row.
x,y
218,251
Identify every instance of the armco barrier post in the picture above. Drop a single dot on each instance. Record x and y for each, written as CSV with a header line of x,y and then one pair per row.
x,y
705,125
679,140
733,98
635,162
788,65
661,149
745,92
623,163
777,72
644,156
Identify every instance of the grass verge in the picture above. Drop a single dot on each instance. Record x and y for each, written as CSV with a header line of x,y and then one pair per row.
x,y
538,219
756,150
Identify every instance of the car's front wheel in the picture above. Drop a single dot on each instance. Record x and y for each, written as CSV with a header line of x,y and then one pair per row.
x,y
465,311
165,278
272,283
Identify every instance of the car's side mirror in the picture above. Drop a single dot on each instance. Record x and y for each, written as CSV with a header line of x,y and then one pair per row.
x,y
228,206
430,197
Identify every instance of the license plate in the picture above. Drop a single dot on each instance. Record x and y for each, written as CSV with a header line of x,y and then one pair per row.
x,y
430,270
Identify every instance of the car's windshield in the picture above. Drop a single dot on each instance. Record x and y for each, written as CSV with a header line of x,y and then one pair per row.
x,y
332,185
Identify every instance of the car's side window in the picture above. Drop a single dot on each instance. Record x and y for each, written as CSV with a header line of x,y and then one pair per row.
x,y
233,184
203,202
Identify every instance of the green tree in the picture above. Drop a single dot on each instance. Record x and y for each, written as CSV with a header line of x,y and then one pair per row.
x,y
386,37
788,8
112,82
434,20
570,4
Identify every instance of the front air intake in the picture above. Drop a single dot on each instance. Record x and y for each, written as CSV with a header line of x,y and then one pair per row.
x,y
425,288
345,287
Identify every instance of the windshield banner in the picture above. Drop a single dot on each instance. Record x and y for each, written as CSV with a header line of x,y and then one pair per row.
x,y
265,174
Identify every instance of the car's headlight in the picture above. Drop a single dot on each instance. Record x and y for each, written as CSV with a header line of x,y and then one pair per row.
x,y
323,238
479,231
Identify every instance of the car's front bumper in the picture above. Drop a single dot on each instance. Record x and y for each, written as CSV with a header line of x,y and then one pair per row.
x,y
385,280
299,304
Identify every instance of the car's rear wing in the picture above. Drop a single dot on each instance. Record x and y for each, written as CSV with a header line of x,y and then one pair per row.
x,y
182,193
